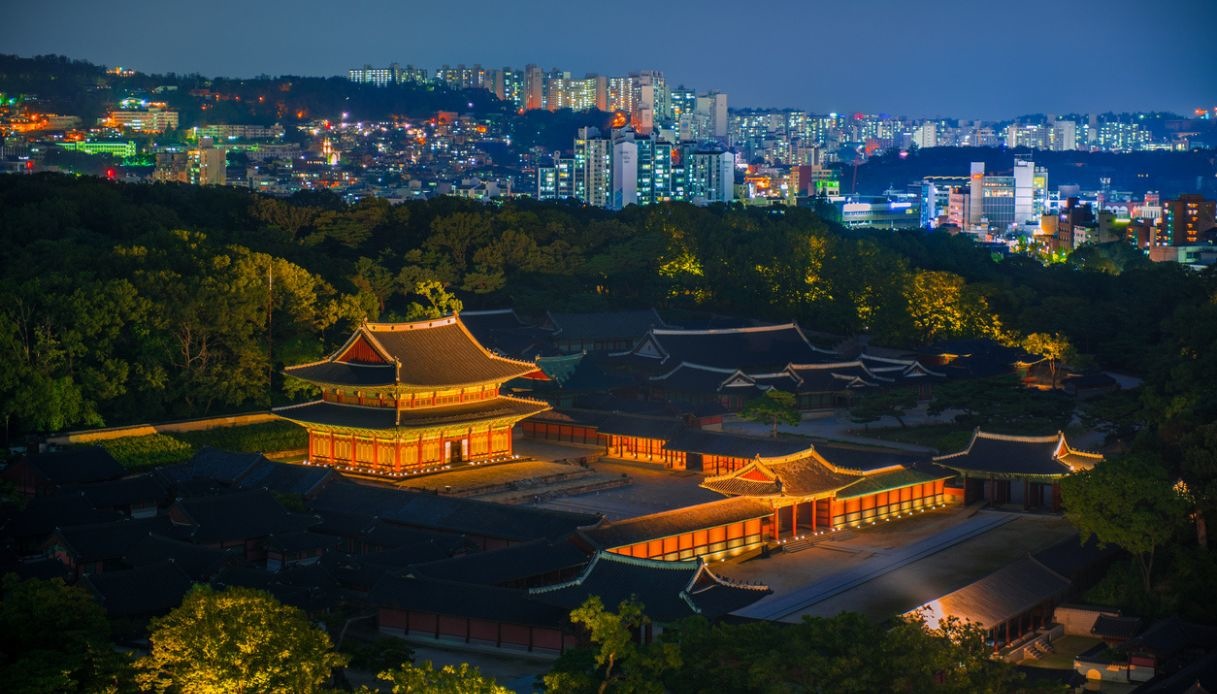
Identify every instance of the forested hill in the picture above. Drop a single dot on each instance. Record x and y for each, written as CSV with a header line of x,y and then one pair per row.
x,y
134,302
80,88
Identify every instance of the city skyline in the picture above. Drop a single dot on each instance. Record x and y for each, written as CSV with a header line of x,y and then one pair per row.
x,y
914,64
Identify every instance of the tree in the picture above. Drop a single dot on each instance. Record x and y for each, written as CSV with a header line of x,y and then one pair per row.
x,y
1127,501
877,403
942,305
425,679
236,640
1198,472
440,302
55,637
774,407
1054,347
1002,402
845,653
620,663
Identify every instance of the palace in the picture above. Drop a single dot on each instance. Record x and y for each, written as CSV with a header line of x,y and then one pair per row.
x,y
402,398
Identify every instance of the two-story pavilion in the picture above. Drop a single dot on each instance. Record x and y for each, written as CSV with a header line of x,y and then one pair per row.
x,y
401,398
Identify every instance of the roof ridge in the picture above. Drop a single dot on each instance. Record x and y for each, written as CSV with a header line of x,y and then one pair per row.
x,y
731,582
1057,437
424,324
699,367
648,516
829,365
723,331
295,406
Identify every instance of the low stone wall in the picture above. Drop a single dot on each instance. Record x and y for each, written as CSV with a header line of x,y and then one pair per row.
x,y
91,435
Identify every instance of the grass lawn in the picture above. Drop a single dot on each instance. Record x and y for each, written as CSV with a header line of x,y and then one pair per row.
x,y
947,438
146,452
1067,647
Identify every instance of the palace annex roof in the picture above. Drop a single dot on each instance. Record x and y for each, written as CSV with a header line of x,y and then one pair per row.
x,y
804,477
428,353
612,534
1002,455
335,415
670,590
766,347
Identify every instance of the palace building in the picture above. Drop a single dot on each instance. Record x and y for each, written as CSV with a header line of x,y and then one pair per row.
x,y
1027,470
402,398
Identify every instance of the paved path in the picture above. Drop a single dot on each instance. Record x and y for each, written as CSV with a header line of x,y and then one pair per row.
x,y
779,606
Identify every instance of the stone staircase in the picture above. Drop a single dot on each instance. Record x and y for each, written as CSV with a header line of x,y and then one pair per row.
x,y
798,545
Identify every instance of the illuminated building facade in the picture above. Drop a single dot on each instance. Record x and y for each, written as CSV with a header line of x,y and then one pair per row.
x,y
400,398
1186,219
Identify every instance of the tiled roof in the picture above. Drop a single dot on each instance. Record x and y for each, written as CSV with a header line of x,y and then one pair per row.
x,y
197,561
1113,627
385,418
651,427
442,352
76,465
140,489
609,535
796,478
668,590
1004,455
508,564
109,541
867,459
438,352
886,481
507,605
146,590
213,464
1003,594
604,325
451,514
766,348
734,445
342,374
834,377
239,515
43,514
695,378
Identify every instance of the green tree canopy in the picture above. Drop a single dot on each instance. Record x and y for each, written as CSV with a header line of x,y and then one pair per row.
x,y
449,679
236,640
774,407
617,662
874,404
1054,347
1127,501
846,653
55,638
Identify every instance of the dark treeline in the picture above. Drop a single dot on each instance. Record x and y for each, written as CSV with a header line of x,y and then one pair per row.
x,y
132,302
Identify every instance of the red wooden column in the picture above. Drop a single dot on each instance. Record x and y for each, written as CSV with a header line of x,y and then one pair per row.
x,y
794,519
814,514
777,533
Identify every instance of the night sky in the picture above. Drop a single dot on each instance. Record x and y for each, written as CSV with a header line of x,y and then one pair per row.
x,y
968,59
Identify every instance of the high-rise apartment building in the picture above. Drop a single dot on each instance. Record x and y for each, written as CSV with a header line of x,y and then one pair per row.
x,y
710,176
534,88
593,167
